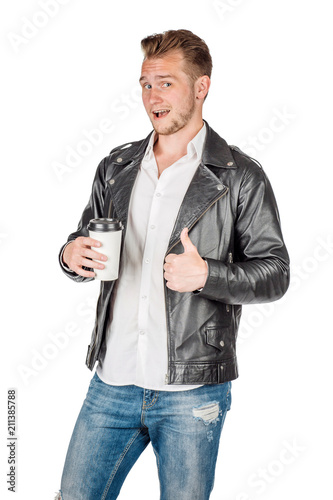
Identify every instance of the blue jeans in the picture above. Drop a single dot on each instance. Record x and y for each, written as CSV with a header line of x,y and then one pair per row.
x,y
115,425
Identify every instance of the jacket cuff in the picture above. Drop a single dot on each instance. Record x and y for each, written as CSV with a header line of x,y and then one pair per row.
x,y
214,279
200,289
61,261
72,274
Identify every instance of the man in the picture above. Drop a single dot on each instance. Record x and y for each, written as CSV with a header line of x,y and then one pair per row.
x,y
201,237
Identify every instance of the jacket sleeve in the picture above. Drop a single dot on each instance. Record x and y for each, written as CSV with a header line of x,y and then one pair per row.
x,y
260,271
94,209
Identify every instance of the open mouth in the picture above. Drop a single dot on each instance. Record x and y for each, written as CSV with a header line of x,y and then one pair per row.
x,y
160,113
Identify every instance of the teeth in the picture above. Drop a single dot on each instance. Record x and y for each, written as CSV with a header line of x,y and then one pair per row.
x,y
157,113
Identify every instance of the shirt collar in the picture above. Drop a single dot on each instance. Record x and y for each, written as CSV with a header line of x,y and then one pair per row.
x,y
195,146
197,143
149,150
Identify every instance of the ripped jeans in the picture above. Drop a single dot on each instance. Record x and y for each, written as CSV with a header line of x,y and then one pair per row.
x,y
115,425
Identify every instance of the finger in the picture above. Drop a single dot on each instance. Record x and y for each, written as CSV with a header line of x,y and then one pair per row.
x,y
87,252
170,257
186,242
87,241
83,272
171,286
167,276
90,263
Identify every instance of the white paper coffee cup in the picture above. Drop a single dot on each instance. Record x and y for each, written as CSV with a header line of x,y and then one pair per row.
x,y
108,232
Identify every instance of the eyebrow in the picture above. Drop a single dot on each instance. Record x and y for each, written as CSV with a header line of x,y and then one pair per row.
x,y
158,77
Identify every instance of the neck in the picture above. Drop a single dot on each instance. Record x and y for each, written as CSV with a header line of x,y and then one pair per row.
x,y
176,144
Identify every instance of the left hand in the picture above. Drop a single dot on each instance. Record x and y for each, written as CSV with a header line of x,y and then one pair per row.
x,y
188,271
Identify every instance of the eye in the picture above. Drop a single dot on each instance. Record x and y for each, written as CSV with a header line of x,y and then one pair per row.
x,y
166,84
147,86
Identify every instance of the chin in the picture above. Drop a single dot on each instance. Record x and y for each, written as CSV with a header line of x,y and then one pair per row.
x,y
168,129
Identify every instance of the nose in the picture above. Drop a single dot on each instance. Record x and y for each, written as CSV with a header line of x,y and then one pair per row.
x,y
155,96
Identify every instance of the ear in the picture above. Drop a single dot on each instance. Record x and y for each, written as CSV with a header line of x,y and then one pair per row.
x,y
202,86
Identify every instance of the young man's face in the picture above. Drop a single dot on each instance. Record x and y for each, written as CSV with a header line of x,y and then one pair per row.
x,y
168,94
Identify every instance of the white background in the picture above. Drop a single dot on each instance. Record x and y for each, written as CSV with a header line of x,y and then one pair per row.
x,y
62,74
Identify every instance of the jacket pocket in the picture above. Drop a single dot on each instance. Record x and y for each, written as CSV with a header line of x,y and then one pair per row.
x,y
218,338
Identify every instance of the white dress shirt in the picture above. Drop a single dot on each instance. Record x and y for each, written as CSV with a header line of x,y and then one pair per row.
x,y
135,350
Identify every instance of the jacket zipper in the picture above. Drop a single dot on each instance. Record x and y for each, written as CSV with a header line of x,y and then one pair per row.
x,y
91,347
167,376
110,208
94,342
217,199
230,261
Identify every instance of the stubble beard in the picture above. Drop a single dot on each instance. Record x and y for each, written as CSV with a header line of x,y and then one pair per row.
x,y
180,121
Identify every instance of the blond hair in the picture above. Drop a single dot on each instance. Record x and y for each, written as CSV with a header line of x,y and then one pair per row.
x,y
194,50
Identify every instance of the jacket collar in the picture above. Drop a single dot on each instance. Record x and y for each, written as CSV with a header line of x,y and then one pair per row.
x,y
216,151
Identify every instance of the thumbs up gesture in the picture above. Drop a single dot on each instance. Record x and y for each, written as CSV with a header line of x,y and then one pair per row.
x,y
188,271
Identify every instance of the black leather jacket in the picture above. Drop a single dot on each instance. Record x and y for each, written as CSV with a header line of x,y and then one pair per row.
x,y
233,221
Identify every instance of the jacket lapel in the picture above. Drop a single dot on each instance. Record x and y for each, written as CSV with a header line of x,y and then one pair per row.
x,y
121,185
204,190
122,174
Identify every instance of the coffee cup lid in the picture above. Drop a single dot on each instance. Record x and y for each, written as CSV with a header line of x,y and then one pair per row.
x,y
104,225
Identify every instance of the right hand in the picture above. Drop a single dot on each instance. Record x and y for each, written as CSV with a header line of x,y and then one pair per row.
x,y
76,253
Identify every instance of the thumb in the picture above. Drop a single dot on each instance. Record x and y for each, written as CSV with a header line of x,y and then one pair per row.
x,y
186,242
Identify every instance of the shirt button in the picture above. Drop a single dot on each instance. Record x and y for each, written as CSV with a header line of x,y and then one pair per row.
x,y
147,261
158,194
144,296
142,332
152,226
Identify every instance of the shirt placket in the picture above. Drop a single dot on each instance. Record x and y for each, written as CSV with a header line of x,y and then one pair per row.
x,y
147,277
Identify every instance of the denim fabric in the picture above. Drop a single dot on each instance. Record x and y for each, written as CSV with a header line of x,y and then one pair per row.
x,y
115,425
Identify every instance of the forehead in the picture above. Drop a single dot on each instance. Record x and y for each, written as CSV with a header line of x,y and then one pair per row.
x,y
169,64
